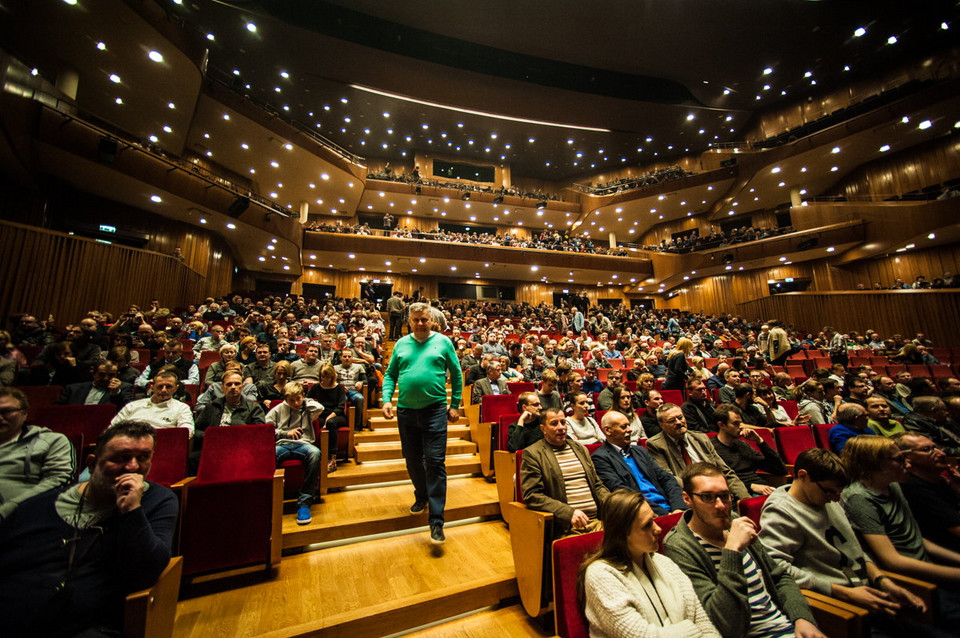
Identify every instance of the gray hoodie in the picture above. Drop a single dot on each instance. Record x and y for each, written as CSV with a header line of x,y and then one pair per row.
x,y
34,462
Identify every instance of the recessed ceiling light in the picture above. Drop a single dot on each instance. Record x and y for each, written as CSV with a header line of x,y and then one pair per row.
x,y
156,56
231,225
884,148
892,39
251,27
774,170
167,129
154,139
119,100
860,32
767,71
924,125
836,149
115,78
102,46
155,198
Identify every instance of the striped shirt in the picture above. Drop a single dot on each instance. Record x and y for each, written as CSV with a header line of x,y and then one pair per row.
x,y
766,620
579,496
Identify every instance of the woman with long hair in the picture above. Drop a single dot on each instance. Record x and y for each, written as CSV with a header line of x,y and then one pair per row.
x,y
628,588
677,366
581,426
623,403
273,391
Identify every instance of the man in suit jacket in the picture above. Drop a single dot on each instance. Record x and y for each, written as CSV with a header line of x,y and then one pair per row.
x,y
621,465
545,486
106,387
675,448
493,383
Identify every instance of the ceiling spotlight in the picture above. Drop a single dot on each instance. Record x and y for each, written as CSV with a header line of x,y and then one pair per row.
x,y
541,205
466,196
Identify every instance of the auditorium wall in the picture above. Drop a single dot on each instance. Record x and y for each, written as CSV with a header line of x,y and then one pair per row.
x,y
929,164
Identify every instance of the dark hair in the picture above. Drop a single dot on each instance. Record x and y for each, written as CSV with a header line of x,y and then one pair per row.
x,y
721,413
620,510
17,395
130,429
821,465
545,415
742,390
700,468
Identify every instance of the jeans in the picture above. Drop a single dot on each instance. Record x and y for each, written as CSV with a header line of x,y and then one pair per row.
x,y
396,325
309,455
356,398
423,439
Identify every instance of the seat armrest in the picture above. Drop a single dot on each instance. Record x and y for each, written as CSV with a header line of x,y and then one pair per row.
x,y
836,618
150,613
531,535
926,591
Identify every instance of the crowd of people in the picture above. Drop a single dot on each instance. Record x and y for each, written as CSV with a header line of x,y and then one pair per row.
x,y
920,282
692,241
546,240
652,178
655,456
414,177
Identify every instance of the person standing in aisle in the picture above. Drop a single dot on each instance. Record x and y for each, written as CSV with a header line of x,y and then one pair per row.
x,y
418,368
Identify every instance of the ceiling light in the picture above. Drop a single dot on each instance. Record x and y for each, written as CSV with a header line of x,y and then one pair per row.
x,y
251,27
932,236
167,129
231,225
156,56
767,71
352,256
155,198
453,267
924,125
324,176
892,39
834,169
102,46
836,149
498,116
884,148
115,78
203,220
154,139
261,258
774,170
860,32
119,100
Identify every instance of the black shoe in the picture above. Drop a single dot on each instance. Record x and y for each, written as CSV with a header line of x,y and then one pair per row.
x,y
418,507
436,534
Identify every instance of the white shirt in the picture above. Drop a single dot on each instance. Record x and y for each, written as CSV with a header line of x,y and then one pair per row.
x,y
167,414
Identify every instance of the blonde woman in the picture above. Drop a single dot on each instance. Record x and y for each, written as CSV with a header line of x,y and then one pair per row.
x,y
677,366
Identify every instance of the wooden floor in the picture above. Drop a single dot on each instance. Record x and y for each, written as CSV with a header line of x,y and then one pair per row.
x,y
372,588
510,621
361,512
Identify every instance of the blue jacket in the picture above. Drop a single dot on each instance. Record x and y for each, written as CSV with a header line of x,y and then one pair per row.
x,y
614,472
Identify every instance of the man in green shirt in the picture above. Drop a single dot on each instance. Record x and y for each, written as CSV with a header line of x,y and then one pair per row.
x,y
418,368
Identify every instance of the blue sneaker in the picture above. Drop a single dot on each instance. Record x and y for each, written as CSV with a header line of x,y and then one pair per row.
x,y
303,515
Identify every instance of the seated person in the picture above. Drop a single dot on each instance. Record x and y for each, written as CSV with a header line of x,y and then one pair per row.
x,y
580,425
477,371
650,400
740,457
878,411
248,391
284,353
493,383
231,408
526,429
851,421
621,465
160,409
675,448
549,397
743,590
187,371
122,527
811,395
806,531
228,353
617,579
623,403
879,514
210,343
296,438
331,394
352,375
591,384
308,368
654,367
731,380
557,476
698,408
510,375
32,459
605,398
929,417
933,487
105,387
754,414
783,386
262,367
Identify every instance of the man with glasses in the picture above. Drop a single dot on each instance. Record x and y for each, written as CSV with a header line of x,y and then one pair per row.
x,y
605,398
934,486
32,459
805,530
929,417
743,590
851,421
525,431
675,448
492,383
106,387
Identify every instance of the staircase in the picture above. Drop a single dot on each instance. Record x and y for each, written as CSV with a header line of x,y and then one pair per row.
x,y
365,565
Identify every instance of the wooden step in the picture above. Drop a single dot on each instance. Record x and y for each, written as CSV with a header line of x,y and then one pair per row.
x,y
392,450
361,512
350,474
383,434
374,588
382,422
510,621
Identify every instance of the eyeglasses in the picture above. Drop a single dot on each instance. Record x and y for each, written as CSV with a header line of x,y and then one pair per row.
x,y
924,449
711,497
830,492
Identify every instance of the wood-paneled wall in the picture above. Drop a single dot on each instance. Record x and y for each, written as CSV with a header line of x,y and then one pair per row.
x,y
930,263
722,294
935,313
913,169
46,272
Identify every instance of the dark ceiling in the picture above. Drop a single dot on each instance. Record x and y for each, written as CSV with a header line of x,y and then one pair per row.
x,y
554,91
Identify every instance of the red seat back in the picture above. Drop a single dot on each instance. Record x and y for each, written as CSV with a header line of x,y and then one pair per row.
x,y
794,440
517,387
593,447
39,396
238,453
90,420
207,357
504,429
494,405
919,370
751,507
170,456
822,432
568,554
790,407
940,371
672,396
666,523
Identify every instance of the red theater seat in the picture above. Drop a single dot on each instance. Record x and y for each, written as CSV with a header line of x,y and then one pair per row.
x,y
170,456
568,554
39,396
792,441
90,420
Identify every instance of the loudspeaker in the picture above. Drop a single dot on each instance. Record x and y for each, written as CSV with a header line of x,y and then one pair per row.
x,y
239,205
107,150
807,244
